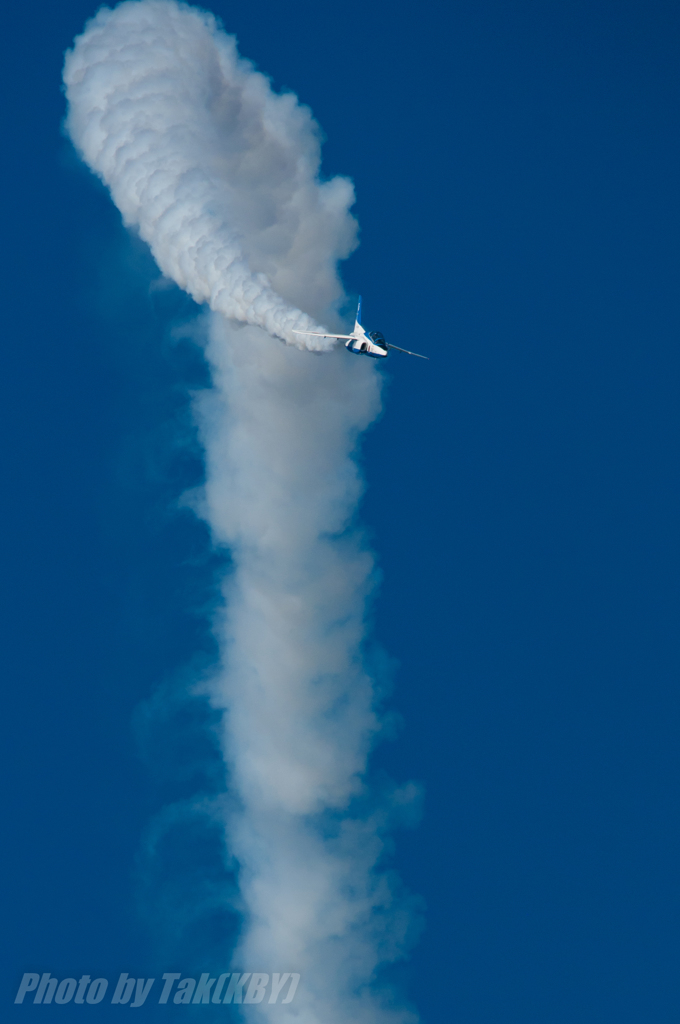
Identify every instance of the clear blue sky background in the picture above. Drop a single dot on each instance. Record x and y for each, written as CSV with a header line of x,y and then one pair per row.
x,y
516,167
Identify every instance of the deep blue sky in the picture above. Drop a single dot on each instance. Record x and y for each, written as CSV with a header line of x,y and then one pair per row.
x,y
516,168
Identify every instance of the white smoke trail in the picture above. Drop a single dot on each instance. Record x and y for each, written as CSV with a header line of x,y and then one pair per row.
x,y
217,172
279,429
220,174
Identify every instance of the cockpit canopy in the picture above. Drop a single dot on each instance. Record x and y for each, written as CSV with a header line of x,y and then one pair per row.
x,y
378,339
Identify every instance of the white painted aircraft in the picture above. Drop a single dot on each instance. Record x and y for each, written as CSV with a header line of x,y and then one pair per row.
x,y
372,344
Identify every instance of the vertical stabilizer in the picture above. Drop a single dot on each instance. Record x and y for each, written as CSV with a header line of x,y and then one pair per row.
x,y
357,322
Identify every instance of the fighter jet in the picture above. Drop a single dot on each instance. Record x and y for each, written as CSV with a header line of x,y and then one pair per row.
x,y
372,344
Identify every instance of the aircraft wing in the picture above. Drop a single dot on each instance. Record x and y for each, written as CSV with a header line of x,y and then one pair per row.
x,y
318,334
407,352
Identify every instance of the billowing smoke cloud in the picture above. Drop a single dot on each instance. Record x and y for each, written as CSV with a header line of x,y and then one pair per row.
x,y
220,175
279,428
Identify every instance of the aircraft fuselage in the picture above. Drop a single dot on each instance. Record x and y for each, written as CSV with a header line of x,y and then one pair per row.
x,y
363,344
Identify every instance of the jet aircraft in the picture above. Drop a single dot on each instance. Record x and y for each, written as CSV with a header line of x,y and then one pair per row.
x,y
370,344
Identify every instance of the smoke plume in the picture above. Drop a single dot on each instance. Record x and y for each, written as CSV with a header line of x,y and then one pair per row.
x,y
220,175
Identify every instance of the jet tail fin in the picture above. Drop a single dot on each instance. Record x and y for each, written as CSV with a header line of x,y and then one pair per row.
x,y
358,319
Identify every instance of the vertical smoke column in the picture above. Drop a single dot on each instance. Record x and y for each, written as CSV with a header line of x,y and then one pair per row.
x,y
279,428
220,176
